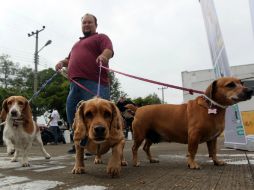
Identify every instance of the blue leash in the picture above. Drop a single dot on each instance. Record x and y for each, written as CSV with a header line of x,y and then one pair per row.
x,y
42,87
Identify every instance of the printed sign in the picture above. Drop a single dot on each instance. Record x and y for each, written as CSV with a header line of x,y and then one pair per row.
x,y
234,130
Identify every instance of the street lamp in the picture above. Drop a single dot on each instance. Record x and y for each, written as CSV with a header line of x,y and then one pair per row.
x,y
36,56
46,44
36,62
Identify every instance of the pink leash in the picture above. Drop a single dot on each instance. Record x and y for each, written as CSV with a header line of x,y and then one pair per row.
x,y
99,81
191,91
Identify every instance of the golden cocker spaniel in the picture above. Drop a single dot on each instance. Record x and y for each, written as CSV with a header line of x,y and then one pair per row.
x,y
98,126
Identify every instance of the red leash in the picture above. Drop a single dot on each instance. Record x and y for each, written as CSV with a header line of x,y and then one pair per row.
x,y
191,91
81,86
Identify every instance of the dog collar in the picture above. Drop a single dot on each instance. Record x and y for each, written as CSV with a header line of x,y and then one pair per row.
x,y
16,122
214,103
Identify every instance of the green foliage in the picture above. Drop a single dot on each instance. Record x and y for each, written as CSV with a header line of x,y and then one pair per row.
x,y
148,100
115,88
53,96
7,70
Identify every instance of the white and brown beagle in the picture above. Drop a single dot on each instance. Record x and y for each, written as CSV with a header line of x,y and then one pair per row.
x,y
20,131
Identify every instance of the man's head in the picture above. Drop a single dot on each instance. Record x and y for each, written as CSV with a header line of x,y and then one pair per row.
x,y
122,99
89,24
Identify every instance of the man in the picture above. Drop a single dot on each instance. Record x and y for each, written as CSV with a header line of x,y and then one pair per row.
x,y
53,124
83,65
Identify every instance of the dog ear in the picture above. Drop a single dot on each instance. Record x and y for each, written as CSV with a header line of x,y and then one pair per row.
x,y
117,120
27,114
4,111
211,90
79,125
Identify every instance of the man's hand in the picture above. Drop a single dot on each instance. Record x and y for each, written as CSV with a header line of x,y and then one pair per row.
x,y
61,64
102,58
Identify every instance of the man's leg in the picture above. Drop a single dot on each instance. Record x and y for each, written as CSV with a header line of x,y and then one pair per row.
x,y
71,103
53,129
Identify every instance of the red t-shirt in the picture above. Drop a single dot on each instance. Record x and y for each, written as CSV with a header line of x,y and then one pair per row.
x,y
82,58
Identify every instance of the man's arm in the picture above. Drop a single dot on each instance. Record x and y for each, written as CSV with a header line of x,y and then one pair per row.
x,y
50,119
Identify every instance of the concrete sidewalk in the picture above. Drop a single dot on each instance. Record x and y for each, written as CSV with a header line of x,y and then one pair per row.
x,y
171,173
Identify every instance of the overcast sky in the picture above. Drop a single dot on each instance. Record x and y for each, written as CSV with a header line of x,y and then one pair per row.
x,y
152,39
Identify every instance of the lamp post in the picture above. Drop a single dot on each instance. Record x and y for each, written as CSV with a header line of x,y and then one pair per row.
x,y
36,56
162,93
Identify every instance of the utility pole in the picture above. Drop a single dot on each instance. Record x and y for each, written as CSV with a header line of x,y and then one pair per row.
x,y
36,56
162,93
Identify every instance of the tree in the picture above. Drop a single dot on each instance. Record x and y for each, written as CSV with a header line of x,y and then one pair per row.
x,y
23,82
148,100
53,96
7,70
115,86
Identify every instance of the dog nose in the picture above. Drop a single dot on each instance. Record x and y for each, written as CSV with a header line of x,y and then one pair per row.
x,y
99,130
14,113
249,92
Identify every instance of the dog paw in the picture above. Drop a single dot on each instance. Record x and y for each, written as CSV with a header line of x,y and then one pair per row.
x,y
10,152
193,165
124,163
114,171
153,160
47,156
78,170
97,161
136,164
26,164
14,160
219,162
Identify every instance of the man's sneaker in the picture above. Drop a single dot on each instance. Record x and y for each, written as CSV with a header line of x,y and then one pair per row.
x,y
88,154
72,150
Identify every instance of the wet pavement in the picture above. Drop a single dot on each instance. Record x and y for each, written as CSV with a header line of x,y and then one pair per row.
x,y
170,173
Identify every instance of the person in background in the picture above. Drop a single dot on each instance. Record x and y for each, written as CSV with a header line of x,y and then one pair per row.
x,y
128,117
53,124
91,50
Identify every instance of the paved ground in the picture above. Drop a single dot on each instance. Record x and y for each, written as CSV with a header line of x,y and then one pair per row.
x,y
170,173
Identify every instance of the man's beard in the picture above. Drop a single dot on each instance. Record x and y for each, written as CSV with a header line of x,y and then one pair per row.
x,y
86,34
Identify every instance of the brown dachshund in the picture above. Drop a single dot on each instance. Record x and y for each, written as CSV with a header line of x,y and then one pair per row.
x,y
98,126
200,120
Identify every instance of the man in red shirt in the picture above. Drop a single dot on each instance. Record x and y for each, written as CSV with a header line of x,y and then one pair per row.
x,y
83,65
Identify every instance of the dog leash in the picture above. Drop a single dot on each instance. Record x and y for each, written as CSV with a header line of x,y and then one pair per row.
x,y
42,87
63,72
191,91
99,80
